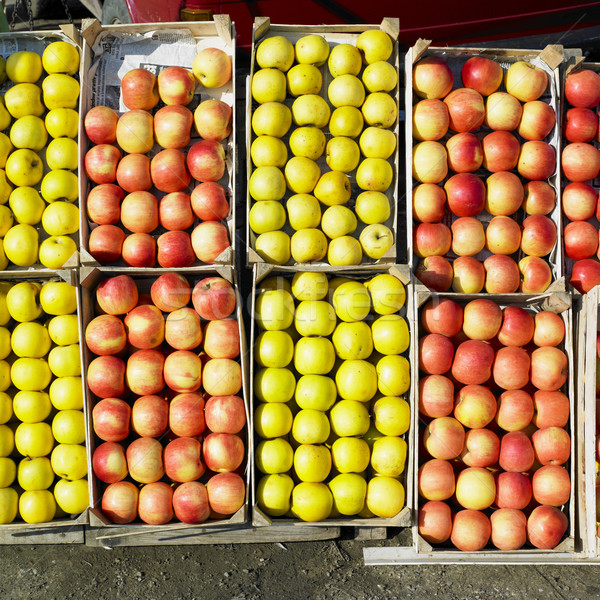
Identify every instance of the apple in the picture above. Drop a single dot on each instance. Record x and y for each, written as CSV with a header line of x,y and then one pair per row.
x,y
435,522
117,295
209,240
579,201
176,85
111,418
444,438
465,193
209,202
155,504
225,414
471,530
551,485
435,272
139,212
144,373
549,368
109,463
474,406
175,211
432,77
546,526
182,459
466,109
190,503
517,327
101,162
473,361
104,204
106,376
139,89
213,298
481,319
120,502
580,162
206,160
536,275
182,371
540,198
436,480
475,488
432,239
551,409
511,368
430,120
212,67
429,201
149,416
100,124
525,82
537,121
513,490
144,459
549,329
223,452
145,327
172,126
186,415
213,120
509,529
581,125
552,445
222,339
226,493
430,162
580,239
482,448
169,171
435,354
442,315
133,173
468,275
502,112
482,74
175,250
516,452
135,131
585,275
582,89
139,250
465,153
105,335
436,396
537,160
170,292
183,330
500,151
501,274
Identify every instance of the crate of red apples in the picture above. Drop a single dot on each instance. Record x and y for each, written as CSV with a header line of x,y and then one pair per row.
x,y
496,433
165,379
482,177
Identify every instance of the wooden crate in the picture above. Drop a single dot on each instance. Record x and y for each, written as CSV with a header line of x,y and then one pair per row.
x,y
334,34
97,47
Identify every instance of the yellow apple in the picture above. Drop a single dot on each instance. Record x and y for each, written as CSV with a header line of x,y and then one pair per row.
x,y
344,58
62,122
372,207
338,221
271,118
311,502
301,174
303,211
304,79
376,142
58,298
56,250
374,174
6,220
274,456
61,218
7,440
24,99
356,380
349,492
385,496
60,57
316,392
380,76
351,301
24,67
8,472
27,205
374,45
5,187
273,494
60,91
20,245
66,393
308,245
344,251
65,361
266,183
30,340
29,132
314,317
274,309
60,185
9,503
388,456
310,110
349,418
392,415
276,52
309,285
34,439
62,153
387,293
6,410
273,349
346,121
346,90
312,50
24,167
35,473
307,141
6,148
5,315
72,496
350,455
5,378
5,348
314,356
272,420
37,506
68,427
312,462
22,301
333,188
264,216
30,374
31,407
64,329
393,374
69,461
390,334
352,340
5,116
342,154
273,247
310,427
268,85
268,151
380,109
274,384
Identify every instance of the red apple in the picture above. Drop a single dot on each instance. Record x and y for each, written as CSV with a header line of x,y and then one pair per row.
x,y
509,529
172,126
106,376
430,120
540,198
516,452
551,485
436,396
139,212
209,201
109,463
511,368
482,319
117,295
150,416
444,438
482,74
183,329
435,272
105,335
474,406
504,193
582,89
145,372
432,77
155,504
475,488
429,201
225,414
226,493
106,243
503,235
120,502
501,274
139,89
546,526
466,109
144,458
221,339
100,125
190,503
468,275
482,448
223,452
176,85
552,445
133,173
549,368
442,315
513,490
435,354
213,119
145,327
471,530
517,327
110,419
502,112
186,415
436,480
432,239
175,250
525,82
581,125
466,194
585,275
135,131
213,298
435,522
104,204
500,151
139,250
175,211
473,361
182,371
465,153
468,237
209,240
579,201
170,292
183,461
430,162
206,160
580,239
169,171
221,377
515,410
580,162
549,329
538,120
551,409
101,163
536,275
537,160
